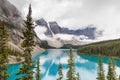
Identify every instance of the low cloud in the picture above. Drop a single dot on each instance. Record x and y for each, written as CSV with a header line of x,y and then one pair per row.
x,y
74,14
40,30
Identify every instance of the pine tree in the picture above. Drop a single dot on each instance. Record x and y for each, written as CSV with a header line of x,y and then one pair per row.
x,y
78,76
38,71
100,71
119,77
71,74
27,44
111,70
3,51
60,72
109,75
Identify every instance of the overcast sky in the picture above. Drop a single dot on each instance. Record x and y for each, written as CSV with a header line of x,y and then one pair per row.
x,y
104,14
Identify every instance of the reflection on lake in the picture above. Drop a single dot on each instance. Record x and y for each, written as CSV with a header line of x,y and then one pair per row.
x,y
86,65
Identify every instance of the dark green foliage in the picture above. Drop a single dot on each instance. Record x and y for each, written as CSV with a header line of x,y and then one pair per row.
x,y
119,77
67,46
60,72
3,51
109,75
45,44
107,48
78,76
38,71
111,70
100,71
71,74
27,45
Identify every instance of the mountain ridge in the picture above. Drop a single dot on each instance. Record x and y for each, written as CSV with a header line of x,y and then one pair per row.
x,y
15,25
90,31
61,37
106,48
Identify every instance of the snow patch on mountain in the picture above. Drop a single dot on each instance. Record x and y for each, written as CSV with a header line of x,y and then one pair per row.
x,y
57,36
40,30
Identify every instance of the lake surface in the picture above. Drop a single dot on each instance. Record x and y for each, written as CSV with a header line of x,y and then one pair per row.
x,y
86,65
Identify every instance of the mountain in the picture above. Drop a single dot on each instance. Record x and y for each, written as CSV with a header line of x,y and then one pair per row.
x,y
53,28
57,44
15,24
106,48
62,37
89,31
42,22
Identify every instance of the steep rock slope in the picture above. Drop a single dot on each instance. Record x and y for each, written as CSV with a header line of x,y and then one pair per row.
x,y
42,22
89,31
15,25
56,36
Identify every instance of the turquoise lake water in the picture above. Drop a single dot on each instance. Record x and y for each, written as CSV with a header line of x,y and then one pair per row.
x,y
84,64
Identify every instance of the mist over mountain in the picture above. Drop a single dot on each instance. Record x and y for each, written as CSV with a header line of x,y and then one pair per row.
x,y
56,36
67,39
77,14
70,19
53,28
15,24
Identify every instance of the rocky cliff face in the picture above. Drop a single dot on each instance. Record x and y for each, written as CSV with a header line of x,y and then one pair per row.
x,y
42,22
90,31
62,37
10,14
55,27
15,24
